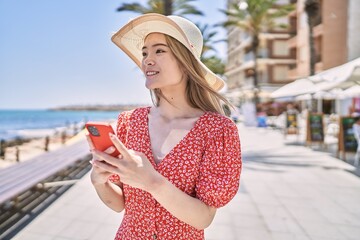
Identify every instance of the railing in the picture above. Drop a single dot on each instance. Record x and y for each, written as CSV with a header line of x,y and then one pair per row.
x,y
27,185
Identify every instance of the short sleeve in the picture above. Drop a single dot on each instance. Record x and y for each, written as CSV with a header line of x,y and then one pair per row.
x,y
122,127
221,166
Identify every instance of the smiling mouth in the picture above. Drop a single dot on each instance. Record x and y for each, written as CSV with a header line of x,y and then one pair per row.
x,y
151,73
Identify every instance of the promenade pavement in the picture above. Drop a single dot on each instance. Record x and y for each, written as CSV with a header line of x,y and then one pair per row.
x,y
287,191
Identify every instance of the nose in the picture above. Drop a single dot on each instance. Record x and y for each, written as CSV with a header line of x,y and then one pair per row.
x,y
149,62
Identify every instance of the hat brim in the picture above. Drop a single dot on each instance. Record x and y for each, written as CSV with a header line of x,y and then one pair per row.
x,y
130,38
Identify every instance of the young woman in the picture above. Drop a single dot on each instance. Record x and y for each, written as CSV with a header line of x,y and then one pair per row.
x,y
180,159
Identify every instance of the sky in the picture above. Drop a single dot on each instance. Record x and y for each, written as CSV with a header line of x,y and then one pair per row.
x,y
58,53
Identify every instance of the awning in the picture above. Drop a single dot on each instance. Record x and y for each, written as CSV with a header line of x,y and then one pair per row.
x,y
343,76
351,92
340,77
303,97
298,87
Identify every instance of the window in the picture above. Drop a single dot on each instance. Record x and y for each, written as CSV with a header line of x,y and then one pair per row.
x,y
280,48
280,73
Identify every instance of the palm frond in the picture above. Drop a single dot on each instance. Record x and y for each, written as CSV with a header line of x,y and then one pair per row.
x,y
132,7
215,64
179,7
183,7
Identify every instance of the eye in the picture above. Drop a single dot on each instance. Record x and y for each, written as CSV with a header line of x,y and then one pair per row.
x,y
144,54
160,51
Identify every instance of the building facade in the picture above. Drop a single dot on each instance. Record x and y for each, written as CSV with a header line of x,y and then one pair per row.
x,y
273,61
336,36
284,55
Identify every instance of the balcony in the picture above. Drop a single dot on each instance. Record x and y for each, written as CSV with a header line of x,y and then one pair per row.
x,y
292,73
292,42
318,30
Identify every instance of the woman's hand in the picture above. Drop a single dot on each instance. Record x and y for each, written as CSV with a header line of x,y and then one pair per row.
x,y
98,175
135,170
133,167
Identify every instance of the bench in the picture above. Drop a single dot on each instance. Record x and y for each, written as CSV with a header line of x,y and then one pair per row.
x,y
22,176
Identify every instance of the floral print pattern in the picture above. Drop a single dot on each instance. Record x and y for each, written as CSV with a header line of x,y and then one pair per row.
x,y
205,164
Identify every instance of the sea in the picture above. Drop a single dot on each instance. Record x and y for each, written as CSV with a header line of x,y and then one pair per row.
x,y
38,123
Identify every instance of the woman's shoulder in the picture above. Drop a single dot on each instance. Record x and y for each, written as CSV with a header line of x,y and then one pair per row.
x,y
135,111
218,119
216,122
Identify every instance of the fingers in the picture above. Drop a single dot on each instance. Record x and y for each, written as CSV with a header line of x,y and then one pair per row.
x,y
110,150
106,157
120,146
91,145
104,166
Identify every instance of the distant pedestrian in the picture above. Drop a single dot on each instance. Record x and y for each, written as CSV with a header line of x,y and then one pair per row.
x,y
180,159
356,130
75,128
17,154
63,137
2,148
47,141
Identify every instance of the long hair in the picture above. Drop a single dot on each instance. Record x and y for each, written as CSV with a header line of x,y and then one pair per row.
x,y
198,92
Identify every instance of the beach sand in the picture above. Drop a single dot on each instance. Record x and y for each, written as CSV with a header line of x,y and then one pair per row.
x,y
35,147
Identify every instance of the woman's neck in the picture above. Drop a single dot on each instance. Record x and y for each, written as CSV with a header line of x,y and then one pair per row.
x,y
176,107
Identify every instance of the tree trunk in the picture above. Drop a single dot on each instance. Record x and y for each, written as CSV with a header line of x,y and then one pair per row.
x,y
255,46
311,8
168,7
311,46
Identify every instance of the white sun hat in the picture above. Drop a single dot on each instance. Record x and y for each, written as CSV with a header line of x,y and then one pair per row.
x,y
130,38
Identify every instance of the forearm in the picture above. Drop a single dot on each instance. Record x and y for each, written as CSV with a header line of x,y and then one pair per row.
x,y
184,207
111,195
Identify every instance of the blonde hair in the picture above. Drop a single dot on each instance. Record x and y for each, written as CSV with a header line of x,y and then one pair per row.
x,y
199,93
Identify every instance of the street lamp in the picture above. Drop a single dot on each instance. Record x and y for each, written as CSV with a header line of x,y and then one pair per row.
x,y
242,5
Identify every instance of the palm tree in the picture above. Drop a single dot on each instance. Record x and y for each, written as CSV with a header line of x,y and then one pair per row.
x,y
166,7
255,17
312,10
213,62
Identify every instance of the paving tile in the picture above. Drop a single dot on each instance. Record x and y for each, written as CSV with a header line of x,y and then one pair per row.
x,y
351,232
321,230
79,230
287,192
288,236
33,236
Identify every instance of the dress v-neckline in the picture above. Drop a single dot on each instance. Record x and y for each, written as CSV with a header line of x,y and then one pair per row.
x,y
187,135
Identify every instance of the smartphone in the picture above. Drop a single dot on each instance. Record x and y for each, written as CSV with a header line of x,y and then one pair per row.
x,y
99,134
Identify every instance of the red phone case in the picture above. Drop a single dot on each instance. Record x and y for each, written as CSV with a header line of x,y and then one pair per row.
x,y
99,134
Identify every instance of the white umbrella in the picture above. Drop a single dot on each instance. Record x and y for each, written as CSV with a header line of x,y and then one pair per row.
x,y
343,76
298,87
303,97
353,91
324,95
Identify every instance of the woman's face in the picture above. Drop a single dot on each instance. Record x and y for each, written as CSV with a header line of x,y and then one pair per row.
x,y
159,64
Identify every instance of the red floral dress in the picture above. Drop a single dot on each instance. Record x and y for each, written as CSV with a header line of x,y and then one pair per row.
x,y
205,164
